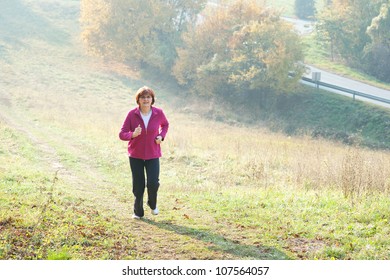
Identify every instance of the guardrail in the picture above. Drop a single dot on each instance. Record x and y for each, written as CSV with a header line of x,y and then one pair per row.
x,y
353,92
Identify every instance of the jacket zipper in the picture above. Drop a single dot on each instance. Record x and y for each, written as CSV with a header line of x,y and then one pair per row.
x,y
146,129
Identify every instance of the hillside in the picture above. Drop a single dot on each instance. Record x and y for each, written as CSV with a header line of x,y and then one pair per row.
x,y
227,191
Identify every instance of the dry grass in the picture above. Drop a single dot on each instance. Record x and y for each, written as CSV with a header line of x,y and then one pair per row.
x,y
230,155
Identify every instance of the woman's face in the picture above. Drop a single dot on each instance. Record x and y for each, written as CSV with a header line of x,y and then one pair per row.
x,y
145,100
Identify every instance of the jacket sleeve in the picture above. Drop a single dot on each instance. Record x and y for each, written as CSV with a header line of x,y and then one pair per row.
x,y
125,134
164,125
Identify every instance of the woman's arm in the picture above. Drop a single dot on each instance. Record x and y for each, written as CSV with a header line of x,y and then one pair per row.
x,y
125,133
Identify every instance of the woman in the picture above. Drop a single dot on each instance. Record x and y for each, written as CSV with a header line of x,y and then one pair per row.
x,y
145,128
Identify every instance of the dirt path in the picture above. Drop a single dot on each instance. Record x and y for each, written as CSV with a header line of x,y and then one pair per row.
x,y
154,237
44,68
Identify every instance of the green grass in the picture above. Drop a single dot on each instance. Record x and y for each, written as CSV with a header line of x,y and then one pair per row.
x,y
333,117
229,190
218,201
40,219
306,225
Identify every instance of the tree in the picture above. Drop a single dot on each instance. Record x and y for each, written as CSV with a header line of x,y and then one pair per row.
x,y
245,48
358,32
328,29
263,54
305,9
142,32
378,51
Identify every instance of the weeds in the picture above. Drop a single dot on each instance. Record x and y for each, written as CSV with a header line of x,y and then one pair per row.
x,y
363,175
49,201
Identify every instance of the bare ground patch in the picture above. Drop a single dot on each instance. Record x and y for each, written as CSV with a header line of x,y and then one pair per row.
x,y
304,247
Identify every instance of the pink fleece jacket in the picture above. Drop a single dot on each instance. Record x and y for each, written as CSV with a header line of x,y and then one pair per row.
x,y
144,146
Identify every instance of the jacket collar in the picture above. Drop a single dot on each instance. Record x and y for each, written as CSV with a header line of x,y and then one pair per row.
x,y
138,111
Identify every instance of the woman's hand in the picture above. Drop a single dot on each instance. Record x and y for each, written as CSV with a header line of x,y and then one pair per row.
x,y
158,140
137,131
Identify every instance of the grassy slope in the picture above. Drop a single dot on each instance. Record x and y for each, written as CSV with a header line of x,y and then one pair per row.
x,y
64,184
323,114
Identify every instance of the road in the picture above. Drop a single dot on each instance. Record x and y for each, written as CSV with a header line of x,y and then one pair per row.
x,y
303,27
340,81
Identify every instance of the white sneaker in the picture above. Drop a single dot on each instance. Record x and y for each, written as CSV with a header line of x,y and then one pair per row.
x,y
136,217
155,211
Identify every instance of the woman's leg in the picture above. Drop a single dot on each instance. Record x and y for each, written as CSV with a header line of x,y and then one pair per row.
x,y
152,173
137,170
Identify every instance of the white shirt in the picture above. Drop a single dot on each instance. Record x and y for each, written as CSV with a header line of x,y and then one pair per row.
x,y
146,118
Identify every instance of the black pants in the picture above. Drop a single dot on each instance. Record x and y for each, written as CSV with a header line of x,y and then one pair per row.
x,y
138,168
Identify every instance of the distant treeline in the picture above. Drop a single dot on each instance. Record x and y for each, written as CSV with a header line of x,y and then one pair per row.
x,y
357,32
208,49
240,48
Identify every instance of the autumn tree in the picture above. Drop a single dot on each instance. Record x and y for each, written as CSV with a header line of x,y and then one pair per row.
x,y
263,54
243,48
135,31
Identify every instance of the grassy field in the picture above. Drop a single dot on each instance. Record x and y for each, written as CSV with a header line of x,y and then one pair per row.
x,y
227,191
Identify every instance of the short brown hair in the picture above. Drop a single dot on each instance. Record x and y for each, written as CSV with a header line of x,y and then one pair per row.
x,y
144,91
